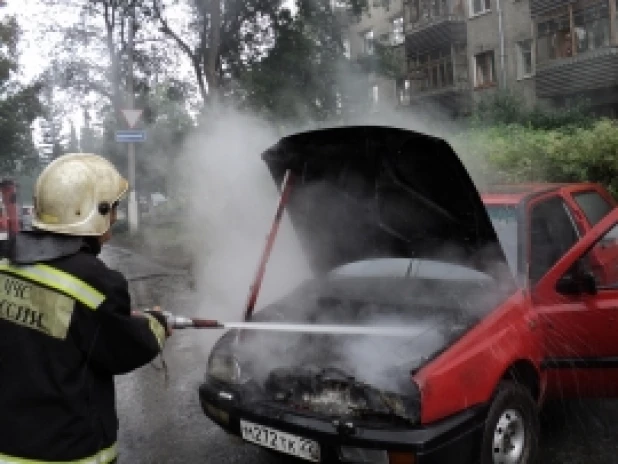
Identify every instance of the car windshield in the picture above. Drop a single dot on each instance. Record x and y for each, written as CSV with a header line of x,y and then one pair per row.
x,y
410,268
504,220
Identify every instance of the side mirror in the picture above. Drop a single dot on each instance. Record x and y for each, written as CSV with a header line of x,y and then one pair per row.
x,y
577,284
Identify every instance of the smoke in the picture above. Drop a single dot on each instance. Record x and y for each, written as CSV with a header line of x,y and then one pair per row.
x,y
231,200
435,311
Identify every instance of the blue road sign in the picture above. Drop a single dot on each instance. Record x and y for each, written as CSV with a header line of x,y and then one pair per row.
x,y
130,136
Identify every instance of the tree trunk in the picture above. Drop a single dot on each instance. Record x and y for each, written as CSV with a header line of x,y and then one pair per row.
x,y
211,60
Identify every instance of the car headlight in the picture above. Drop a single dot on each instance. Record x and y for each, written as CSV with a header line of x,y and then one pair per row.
x,y
225,368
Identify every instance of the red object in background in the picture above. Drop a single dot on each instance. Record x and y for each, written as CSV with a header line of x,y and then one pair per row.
x,y
9,220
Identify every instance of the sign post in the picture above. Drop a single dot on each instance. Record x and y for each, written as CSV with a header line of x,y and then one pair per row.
x,y
130,137
132,116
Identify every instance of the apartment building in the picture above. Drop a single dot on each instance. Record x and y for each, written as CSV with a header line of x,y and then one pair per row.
x,y
382,25
458,51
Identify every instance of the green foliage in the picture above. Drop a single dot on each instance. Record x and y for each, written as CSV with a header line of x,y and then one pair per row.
x,y
305,79
514,153
386,61
298,80
509,108
19,106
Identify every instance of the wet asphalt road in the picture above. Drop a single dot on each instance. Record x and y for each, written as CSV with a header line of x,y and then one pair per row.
x,y
161,421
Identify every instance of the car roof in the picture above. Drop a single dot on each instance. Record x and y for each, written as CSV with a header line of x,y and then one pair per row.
x,y
512,194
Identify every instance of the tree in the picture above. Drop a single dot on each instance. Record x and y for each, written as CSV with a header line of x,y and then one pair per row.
x,y
306,78
111,40
72,145
221,37
19,106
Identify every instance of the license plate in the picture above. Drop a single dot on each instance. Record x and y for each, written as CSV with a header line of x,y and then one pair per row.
x,y
280,441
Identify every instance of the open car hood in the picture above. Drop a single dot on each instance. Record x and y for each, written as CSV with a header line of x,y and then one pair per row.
x,y
366,192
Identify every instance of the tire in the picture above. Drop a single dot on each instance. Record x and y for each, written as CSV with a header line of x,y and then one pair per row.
x,y
512,408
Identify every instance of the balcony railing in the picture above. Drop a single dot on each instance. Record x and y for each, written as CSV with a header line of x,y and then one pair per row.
x,y
435,33
424,23
539,7
595,69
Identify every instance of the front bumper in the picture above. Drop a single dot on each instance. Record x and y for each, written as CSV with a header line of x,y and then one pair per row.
x,y
456,439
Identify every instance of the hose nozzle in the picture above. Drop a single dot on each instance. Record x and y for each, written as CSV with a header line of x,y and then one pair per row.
x,y
183,322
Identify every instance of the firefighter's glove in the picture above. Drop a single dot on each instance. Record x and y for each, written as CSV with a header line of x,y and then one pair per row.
x,y
161,318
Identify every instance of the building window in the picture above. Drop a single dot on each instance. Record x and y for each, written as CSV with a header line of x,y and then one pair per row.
x,y
484,71
346,48
427,9
591,30
398,36
554,38
591,27
404,91
368,42
479,6
434,71
524,59
375,94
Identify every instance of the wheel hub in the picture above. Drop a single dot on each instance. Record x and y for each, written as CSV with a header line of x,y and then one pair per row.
x,y
509,438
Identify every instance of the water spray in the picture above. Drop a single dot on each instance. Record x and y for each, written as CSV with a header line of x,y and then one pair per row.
x,y
184,322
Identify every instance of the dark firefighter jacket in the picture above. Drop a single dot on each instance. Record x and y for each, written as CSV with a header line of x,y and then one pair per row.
x,y
65,331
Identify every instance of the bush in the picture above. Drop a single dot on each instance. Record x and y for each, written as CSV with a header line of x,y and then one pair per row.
x,y
515,153
506,108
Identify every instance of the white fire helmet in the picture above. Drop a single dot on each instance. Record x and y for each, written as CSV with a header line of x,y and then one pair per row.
x,y
75,193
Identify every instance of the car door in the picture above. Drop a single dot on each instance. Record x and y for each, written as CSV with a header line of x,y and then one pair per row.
x,y
590,204
578,310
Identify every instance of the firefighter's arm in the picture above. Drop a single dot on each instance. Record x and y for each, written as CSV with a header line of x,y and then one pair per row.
x,y
113,339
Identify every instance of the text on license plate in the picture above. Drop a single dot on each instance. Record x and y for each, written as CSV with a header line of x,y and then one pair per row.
x,y
280,441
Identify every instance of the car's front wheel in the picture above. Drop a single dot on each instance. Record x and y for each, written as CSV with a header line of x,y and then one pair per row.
x,y
511,434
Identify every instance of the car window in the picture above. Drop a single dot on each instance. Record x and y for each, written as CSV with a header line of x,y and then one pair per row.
x,y
552,234
593,205
602,260
504,220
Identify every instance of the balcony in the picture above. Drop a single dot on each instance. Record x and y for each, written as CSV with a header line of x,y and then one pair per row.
x,y
435,33
595,69
539,7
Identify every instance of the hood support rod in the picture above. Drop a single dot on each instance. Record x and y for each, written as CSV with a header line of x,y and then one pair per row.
x,y
286,189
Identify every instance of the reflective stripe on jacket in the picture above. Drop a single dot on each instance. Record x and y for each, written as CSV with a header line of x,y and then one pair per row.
x,y
65,331
105,456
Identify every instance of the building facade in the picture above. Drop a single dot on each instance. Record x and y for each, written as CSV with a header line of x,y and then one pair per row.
x,y
380,27
455,52
577,52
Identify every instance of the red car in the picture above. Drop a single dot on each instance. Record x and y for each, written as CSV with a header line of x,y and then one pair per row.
x,y
485,307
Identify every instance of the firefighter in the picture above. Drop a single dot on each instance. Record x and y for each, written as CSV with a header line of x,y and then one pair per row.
x,y
66,322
